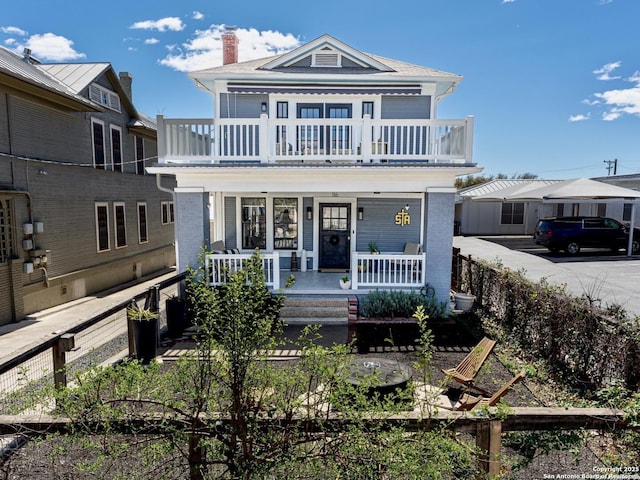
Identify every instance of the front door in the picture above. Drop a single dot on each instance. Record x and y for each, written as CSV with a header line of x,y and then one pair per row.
x,y
335,241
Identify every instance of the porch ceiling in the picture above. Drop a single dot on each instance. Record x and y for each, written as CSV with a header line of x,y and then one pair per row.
x,y
316,179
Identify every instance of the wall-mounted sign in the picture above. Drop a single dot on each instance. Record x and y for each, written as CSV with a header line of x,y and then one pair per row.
x,y
402,218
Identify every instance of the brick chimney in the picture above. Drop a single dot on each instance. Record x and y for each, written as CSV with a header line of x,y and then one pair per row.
x,y
126,79
229,46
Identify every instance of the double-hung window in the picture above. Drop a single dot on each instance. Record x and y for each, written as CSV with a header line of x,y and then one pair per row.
x,y
116,148
120,219
102,227
99,154
143,232
285,223
139,155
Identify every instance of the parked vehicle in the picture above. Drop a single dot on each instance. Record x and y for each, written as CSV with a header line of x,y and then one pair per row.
x,y
573,233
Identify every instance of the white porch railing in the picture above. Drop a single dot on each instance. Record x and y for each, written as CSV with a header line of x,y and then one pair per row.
x,y
218,266
349,140
388,270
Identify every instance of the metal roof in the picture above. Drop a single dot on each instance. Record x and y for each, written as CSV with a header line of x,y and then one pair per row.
x,y
77,76
495,186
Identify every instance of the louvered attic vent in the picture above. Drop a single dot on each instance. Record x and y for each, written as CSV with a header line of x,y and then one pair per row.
x,y
326,60
104,97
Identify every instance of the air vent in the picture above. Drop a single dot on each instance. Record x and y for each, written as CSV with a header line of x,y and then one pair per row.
x,y
326,60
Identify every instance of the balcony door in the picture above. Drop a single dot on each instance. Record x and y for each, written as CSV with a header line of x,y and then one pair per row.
x,y
310,137
335,240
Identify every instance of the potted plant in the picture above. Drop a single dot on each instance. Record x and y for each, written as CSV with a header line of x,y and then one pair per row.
x,y
373,248
176,309
464,301
144,325
345,282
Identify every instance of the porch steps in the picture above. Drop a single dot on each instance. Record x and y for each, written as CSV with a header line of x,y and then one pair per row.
x,y
299,310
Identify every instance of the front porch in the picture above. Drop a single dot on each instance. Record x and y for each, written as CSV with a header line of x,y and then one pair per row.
x,y
371,271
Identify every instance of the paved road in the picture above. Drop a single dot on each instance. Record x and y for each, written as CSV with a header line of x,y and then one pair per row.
x,y
612,279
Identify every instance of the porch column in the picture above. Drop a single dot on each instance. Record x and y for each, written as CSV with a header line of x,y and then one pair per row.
x,y
438,239
192,225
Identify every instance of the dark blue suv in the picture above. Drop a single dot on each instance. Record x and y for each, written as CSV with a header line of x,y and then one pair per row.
x,y
572,233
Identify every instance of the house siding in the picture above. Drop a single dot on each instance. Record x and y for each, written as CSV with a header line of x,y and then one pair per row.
x,y
413,107
241,105
378,224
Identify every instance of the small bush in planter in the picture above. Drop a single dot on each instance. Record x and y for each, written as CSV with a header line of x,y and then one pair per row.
x,y
399,304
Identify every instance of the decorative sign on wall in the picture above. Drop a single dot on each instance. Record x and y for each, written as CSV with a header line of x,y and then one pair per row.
x,y
402,218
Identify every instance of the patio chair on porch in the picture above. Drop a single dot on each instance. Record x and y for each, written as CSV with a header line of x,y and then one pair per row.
x,y
469,402
466,371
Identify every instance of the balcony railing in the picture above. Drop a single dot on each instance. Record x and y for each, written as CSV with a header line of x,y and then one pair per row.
x,y
219,266
268,140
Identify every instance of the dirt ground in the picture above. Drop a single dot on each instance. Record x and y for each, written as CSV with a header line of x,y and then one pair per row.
x,y
452,343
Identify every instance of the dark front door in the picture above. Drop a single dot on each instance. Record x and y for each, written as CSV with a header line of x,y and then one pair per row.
x,y
335,240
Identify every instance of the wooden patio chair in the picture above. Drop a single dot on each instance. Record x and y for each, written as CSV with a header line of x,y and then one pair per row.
x,y
469,402
468,368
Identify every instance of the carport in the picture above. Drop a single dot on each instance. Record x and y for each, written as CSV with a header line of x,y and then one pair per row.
x,y
581,190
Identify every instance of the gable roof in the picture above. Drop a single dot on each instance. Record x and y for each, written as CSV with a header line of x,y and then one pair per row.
x,y
365,69
78,76
25,76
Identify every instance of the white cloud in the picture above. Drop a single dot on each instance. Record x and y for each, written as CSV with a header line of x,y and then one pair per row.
x,y
507,1
604,71
151,41
52,47
10,41
579,117
197,15
13,31
204,50
619,102
604,2
162,25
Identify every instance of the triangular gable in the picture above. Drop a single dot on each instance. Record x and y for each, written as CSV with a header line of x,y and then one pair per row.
x,y
326,51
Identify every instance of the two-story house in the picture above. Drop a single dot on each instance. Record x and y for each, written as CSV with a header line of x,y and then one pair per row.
x,y
325,157
78,215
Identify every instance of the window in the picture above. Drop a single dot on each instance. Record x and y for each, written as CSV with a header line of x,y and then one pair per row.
x,y
104,97
121,224
512,213
254,223
560,210
602,209
5,231
285,223
367,109
143,233
626,212
167,213
102,227
282,110
139,155
99,160
116,148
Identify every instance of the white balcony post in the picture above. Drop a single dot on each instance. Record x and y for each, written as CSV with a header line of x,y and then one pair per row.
x,y
276,270
367,138
354,270
162,138
468,141
263,143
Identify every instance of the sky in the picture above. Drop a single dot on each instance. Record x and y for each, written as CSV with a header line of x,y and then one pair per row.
x,y
553,85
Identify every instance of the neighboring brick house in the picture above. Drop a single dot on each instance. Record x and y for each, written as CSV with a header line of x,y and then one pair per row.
x,y
78,215
314,154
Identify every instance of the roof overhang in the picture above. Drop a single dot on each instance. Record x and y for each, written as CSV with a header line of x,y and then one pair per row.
x,y
327,178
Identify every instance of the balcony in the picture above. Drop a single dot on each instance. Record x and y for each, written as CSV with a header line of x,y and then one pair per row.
x,y
266,140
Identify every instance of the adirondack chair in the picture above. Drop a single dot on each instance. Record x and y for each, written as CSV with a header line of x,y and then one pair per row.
x,y
469,402
469,367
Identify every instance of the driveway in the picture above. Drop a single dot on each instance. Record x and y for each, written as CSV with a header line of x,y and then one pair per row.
x,y
609,279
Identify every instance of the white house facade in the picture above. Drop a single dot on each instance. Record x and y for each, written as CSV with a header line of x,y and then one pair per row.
x,y
314,156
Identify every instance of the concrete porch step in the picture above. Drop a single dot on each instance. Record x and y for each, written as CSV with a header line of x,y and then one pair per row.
x,y
310,310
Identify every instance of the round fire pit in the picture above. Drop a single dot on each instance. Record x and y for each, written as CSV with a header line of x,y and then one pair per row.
x,y
383,376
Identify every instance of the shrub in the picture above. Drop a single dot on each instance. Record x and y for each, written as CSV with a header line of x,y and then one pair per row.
x,y
398,303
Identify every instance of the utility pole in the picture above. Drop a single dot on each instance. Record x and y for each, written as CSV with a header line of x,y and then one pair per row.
x,y
612,164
